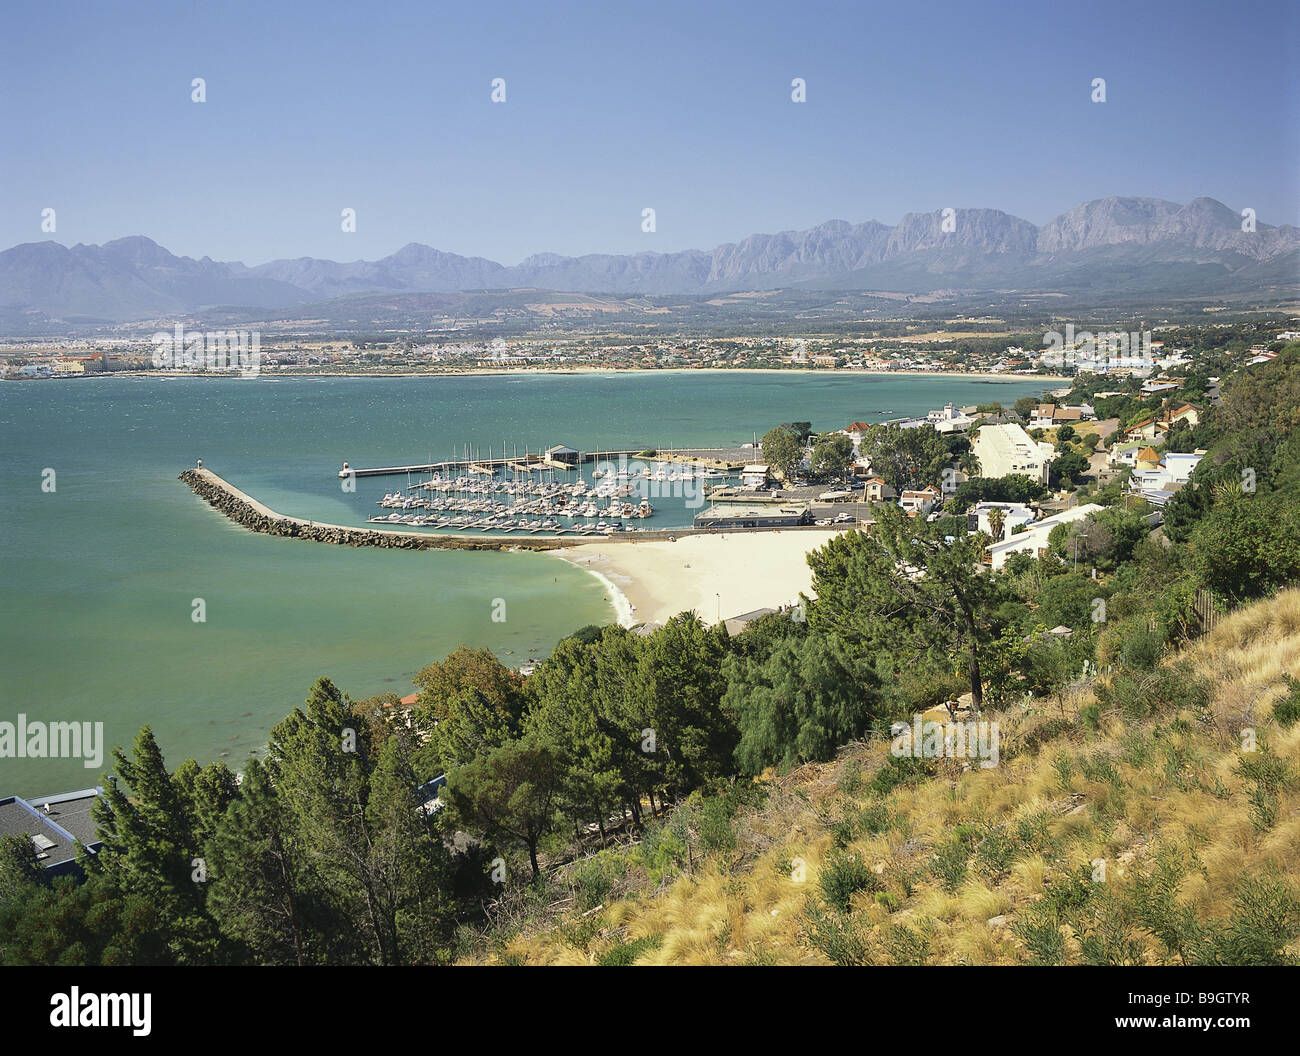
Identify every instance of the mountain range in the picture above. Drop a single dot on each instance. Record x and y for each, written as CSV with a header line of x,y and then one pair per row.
x,y
1197,249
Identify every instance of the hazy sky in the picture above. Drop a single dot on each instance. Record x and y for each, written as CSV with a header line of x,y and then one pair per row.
x,y
612,107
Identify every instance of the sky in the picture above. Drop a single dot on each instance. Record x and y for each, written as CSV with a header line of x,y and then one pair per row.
x,y
612,108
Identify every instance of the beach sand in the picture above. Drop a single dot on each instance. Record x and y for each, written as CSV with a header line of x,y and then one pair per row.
x,y
727,574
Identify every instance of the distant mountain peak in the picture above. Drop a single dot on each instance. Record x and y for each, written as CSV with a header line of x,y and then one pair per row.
x,y
972,248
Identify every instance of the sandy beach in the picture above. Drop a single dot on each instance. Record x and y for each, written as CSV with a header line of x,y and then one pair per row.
x,y
725,574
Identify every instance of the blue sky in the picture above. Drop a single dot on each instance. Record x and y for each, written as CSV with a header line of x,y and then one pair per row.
x,y
611,108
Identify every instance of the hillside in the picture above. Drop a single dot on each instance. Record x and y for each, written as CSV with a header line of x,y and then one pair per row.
x,y
1200,840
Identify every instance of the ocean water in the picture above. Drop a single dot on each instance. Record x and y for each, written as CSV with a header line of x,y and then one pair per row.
x,y
101,574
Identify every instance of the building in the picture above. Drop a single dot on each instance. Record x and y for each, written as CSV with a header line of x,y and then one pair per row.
x,y
1147,458
1014,515
1033,540
874,489
1007,450
738,623
920,502
1182,412
564,455
56,824
1145,429
1160,477
735,517
1048,415
758,475
950,420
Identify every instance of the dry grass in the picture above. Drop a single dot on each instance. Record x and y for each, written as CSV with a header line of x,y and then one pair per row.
x,y
1125,794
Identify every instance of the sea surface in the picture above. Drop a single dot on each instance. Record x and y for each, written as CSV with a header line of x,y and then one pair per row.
x,y
103,572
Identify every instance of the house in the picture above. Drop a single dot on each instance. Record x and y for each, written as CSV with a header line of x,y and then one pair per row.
x,y
920,502
1047,415
1179,465
1151,388
1144,429
875,489
1007,450
736,624
757,475
948,420
1162,477
1181,412
56,824
429,795
1124,454
1147,458
1014,515
1033,540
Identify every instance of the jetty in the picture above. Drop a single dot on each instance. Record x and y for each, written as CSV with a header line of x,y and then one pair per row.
x,y
245,510
560,457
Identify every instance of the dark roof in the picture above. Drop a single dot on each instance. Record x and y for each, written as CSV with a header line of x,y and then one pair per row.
x,y
69,820
738,623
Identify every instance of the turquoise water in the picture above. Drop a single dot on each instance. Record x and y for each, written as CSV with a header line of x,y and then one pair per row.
x,y
100,574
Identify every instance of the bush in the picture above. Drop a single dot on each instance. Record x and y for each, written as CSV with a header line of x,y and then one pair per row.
x,y
1287,710
837,936
1137,695
842,876
626,953
594,879
898,770
949,863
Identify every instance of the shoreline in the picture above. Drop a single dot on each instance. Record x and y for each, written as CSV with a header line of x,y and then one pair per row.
x,y
487,372
647,580
714,575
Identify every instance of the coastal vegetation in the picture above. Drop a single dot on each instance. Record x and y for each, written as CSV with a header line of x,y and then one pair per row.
x,y
682,794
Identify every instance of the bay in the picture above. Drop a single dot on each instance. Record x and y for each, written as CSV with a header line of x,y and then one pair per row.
x,y
101,574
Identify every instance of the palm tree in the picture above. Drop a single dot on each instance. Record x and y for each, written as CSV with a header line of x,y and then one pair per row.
x,y
997,521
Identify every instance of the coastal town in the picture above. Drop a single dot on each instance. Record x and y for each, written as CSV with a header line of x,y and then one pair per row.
x,y
959,347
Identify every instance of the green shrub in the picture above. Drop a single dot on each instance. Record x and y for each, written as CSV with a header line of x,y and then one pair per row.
x,y
898,770
1041,934
908,946
1287,710
996,852
838,936
949,862
626,953
874,819
594,879
842,876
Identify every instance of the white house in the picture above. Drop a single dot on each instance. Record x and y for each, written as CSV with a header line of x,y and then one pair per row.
x,y
1007,450
1174,470
920,502
948,420
1033,540
1014,515
755,476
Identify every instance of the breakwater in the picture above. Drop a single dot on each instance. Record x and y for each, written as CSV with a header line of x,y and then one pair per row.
x,y
244,510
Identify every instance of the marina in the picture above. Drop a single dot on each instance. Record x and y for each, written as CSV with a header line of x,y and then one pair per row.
x,y
546,492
